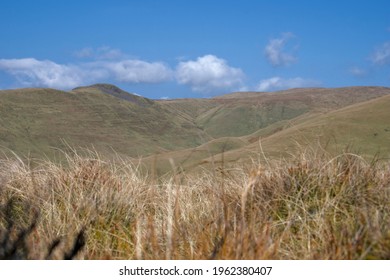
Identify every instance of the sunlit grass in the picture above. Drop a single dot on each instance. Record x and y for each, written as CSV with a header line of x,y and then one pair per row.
x,y
311,207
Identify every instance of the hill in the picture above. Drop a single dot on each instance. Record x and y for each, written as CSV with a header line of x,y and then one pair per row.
x,y
114,91
38,122
363,128
243,113
278,114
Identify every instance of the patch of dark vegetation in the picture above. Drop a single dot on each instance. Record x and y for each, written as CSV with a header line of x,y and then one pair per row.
x,y
17,240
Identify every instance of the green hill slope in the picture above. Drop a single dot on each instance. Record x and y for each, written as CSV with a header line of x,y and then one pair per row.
x,y
37,121
280,117
243,113
363,128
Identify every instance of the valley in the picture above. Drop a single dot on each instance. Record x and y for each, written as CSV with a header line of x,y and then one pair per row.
x,y
191,133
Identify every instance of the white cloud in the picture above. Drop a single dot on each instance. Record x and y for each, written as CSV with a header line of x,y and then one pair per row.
x,y
381,55
138,71
33,72
277,83
358,72
275,53
102,53
109,53
209,73
83,53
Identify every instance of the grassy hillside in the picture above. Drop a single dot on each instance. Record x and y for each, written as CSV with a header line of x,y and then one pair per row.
x,y
38,120
364,126
243,113
186,159
114,91
361,127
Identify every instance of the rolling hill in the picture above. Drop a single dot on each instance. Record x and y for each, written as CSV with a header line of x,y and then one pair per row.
x,y
362,128
39,122
243,113
280,116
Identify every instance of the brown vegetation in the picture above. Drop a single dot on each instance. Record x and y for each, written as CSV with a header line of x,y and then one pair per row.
x,y
312,207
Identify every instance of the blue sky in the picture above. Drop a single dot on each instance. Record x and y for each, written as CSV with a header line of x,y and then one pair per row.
x,y
171,49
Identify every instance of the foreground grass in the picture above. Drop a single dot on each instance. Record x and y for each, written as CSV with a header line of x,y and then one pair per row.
x,y
313,207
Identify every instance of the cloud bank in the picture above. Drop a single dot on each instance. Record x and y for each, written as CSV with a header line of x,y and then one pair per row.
x,y
209,73
137,71
278,83
275,51
205,74
33,72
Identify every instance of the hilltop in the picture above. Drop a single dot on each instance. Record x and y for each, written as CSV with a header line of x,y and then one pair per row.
x,y
114,91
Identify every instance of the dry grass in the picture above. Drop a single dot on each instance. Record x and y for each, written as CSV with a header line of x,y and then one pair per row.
x,y
312,207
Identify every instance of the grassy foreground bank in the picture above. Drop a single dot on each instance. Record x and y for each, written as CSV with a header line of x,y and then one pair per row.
x,y
312,207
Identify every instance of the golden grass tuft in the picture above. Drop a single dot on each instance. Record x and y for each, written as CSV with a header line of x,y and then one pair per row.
x,y
311,207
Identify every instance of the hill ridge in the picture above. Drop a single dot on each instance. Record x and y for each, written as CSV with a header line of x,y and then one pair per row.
x,y
110,119
116,92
